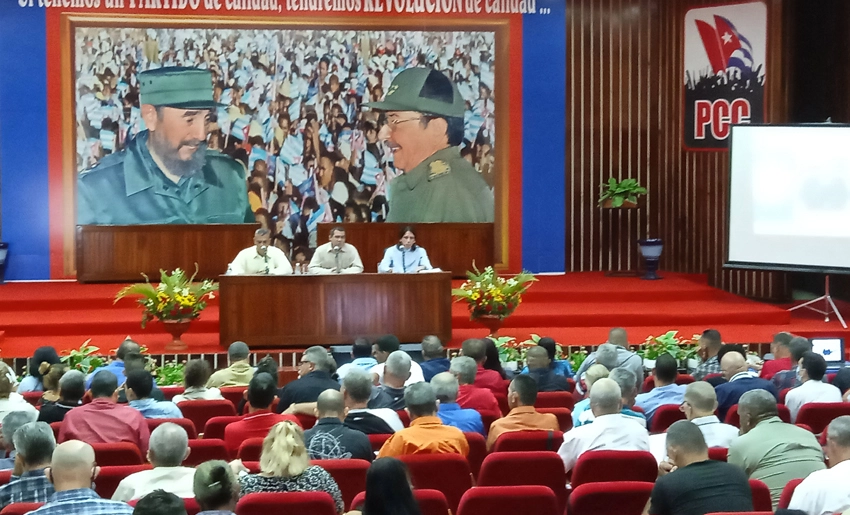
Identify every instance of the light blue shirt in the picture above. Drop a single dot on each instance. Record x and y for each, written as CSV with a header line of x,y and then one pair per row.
x,y
116,367
402,261
152,408
660,396
559,366
30,384
364,363
467,420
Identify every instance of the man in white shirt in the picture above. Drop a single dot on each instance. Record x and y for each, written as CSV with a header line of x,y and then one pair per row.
x,y
262,258
169,447
825,491
698,407
812,368
381,350
336,256
609,430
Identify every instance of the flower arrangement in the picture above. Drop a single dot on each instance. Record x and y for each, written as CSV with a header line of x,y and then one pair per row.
x,y
670,343
174,298
84,359
488,294
510,349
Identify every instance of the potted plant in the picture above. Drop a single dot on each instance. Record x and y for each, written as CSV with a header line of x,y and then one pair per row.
x,y
615,194
490,297
654,346
84,359
511,352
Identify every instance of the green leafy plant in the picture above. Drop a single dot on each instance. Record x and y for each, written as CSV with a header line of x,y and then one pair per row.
x,y
669,343
509,348
174,298
576,359
170,373
620,191
488,294
85,359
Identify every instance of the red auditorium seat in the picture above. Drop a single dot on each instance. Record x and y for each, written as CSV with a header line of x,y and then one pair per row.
x,y
718,453
170,391
664,417
487,420
620,497
235,394
20,508
314,503
56,426
214,428
448,473
273,408
502,399
605,466
508,500
5,476
649,382
350,476
782,394
761,496
107,481
684,379
205,450
378,441
199,412
571,383
404,416
121,453
555,400
529,441
185,423
564,416
250,449
32,397
477,451
818,415
431,502
544,468
788,493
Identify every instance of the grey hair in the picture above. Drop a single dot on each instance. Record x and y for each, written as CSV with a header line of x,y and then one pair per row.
x,y
358,384
262,232
606,355
758,404
432,347
625,378
687,436
398,364
318,356
168,445
606,395
238,351
35,442
839,431
420,400
73,381
465,368
445,387
13,421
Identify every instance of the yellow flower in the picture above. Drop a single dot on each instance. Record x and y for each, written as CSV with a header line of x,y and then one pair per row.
x,y
475,296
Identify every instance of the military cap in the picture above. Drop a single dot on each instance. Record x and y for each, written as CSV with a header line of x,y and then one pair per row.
x,y
423,90
177,86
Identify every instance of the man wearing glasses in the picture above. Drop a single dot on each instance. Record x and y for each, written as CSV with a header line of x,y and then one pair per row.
x,y
424,128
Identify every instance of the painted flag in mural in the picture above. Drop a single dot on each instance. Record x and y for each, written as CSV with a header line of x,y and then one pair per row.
x,y
724,71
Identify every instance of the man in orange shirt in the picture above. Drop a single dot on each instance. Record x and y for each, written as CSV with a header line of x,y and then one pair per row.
x,y
426,434
261,392
522,394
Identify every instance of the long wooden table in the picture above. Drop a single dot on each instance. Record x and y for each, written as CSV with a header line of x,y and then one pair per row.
x,y
121,253
451,247
302,310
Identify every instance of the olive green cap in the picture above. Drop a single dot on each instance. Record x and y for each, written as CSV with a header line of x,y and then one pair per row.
x,y
423,90
177,86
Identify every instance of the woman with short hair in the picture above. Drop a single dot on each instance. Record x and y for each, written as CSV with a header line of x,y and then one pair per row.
x,y
195,376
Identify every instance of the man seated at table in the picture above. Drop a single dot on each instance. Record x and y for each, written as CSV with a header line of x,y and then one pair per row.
x,y
262,258
336,256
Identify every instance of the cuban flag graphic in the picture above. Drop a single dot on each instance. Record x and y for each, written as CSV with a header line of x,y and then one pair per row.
x,y
725,46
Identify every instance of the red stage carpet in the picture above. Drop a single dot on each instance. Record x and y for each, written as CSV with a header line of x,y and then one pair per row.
x,y
575,309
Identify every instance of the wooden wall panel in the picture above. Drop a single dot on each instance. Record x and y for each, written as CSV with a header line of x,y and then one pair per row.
x,y
624,112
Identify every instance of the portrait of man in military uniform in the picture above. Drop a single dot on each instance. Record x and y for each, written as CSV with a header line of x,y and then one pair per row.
x,y
165,174
424,128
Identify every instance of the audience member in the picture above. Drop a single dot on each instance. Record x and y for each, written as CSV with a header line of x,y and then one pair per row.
x,y
356,390
626,380
381,350
270,366
825,491
470,396
522,394
426,434
396,374
434,356
842,382
593,374
625,358
692,484
781,351
169,448
467,420
788,378
812,369
666,390
34,444
491,359
115,366
10,400
72,471
314,377
388,490
559,366
72,389
285,467
771,450
160,502
477,350
609,430
40,362
216,488
134,361
361,355
539,368
196,374
51,375
709,345
138,389
726,348
11,423
261,392
103,420
740,380
330,439
239,373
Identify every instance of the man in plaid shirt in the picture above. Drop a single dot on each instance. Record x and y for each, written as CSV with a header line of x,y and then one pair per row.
x,y
34,444
72,472
709,345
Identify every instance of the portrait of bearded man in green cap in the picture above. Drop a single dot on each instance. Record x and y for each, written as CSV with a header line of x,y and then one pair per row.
x,y
165,174
424,128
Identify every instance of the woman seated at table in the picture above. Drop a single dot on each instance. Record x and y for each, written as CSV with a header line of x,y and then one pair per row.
x,y
405,257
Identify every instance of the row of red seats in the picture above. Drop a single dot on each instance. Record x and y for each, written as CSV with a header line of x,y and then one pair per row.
x,y
814,416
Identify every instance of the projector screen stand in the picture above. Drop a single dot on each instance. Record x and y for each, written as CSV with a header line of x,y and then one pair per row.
x,y
828,304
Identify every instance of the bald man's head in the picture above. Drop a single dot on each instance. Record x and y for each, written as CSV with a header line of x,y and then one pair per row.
x,y
72,466
732,363
700,400
330,404
618,337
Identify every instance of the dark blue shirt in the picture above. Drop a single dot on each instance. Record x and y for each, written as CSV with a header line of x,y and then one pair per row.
x,y
433,367
729,393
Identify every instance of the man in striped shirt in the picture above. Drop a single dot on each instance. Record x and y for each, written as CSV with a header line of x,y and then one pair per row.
x,y
34,443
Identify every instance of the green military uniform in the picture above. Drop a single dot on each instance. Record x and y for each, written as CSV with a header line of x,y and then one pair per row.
x,y
443,188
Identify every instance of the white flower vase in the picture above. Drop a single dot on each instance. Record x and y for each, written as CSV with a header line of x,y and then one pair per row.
x,y
511,365
648,364
692,364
